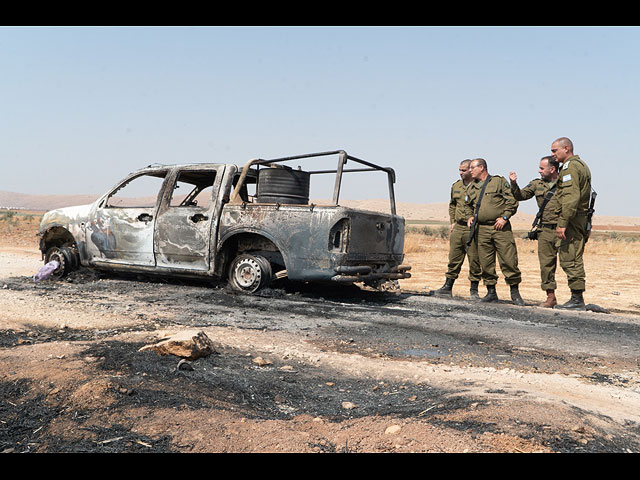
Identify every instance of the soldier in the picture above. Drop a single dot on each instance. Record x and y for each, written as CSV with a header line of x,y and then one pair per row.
x,y
489,206
547,218
574,190
458,235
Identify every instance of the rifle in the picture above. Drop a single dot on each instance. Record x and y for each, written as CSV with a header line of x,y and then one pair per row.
x,y
474,223
533,234
590,212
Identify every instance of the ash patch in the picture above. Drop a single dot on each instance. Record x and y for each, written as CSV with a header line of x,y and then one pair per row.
x,y
26,414
35,334
21,419
421,342
278,390
228,381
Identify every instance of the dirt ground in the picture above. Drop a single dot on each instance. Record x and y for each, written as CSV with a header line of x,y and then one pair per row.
x,y
74,380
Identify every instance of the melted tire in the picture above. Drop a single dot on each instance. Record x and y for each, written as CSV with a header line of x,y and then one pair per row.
x,y
65,257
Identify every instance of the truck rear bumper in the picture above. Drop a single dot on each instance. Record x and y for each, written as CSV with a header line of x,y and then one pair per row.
x,y
363,273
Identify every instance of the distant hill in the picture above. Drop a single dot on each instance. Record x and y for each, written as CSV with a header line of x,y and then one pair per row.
x,y
436,212
43,203
411,211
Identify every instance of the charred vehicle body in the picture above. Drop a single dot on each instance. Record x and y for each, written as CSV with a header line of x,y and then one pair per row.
x,y
250,225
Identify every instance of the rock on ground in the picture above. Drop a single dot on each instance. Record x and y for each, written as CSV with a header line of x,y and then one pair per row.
x,y
189,344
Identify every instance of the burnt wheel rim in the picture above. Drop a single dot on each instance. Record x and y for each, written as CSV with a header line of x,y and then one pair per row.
x,y
247,274
56,254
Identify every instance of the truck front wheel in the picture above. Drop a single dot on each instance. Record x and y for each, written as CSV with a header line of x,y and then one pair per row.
x,y
249,273
66,258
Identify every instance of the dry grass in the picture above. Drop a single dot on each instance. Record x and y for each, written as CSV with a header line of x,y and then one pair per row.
x,y
18,228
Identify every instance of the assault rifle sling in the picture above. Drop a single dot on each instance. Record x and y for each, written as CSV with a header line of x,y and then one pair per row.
x,y
474,223
547,197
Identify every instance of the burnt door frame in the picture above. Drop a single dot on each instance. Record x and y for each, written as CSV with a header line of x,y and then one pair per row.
x,y
184,234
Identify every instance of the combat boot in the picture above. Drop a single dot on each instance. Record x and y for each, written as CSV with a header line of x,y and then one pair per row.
x,y
491,296
551,300
473,291
445,290
515,296
576,302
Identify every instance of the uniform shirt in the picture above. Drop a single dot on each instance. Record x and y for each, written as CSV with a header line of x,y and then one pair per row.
x,y
574,190
456,204
498,200
539,188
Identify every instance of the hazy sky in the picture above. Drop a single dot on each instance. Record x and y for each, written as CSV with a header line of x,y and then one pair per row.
x,y
82,107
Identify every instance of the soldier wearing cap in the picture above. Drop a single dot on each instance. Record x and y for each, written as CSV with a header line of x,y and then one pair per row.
x,y
493,235
543,188
574,190
458,235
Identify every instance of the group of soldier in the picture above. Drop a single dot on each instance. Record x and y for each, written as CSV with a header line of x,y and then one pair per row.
x,y
480,209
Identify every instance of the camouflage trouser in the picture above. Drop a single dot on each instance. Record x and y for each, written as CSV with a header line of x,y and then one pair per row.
x,y
571,251
548,257
457,252
501,242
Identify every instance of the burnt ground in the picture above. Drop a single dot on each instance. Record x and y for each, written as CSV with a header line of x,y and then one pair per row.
x,y
347,370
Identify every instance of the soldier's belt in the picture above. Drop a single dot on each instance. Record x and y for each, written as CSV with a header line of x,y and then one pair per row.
x,y
462,222
549,225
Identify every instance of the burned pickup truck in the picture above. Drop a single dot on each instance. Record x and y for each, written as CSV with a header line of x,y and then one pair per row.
x,y
251,225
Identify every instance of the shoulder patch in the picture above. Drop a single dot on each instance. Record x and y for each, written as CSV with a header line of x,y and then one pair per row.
x,y
566,178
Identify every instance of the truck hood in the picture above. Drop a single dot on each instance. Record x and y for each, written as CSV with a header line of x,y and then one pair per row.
x,y
65,216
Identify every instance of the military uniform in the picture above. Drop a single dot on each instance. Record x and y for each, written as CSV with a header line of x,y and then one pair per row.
x,y
547,239
459,235
497,202
574,191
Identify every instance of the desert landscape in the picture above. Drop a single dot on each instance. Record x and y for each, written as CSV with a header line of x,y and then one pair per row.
x,y
74,380
612,256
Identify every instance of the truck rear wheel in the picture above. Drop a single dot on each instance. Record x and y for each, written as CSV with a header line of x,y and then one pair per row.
x,y
249,273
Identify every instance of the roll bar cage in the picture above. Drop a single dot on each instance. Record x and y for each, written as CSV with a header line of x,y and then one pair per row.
x,y
343,157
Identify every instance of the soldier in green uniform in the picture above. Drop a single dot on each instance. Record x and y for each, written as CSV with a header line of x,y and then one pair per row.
x,y
458,235
574,191
542,188
493,234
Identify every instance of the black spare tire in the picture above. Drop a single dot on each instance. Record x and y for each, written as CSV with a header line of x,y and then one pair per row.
x,y
283,185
